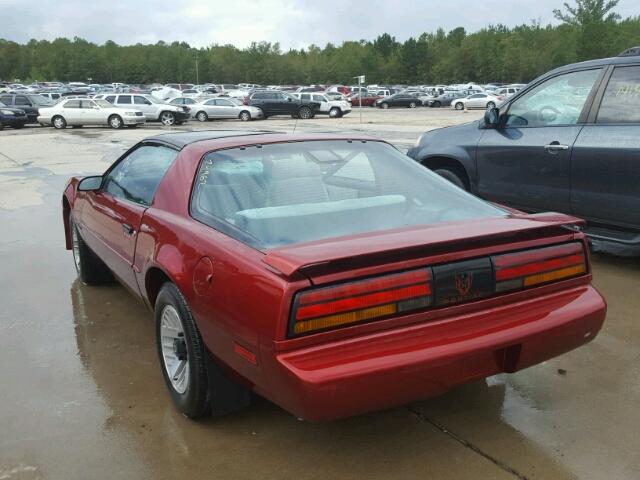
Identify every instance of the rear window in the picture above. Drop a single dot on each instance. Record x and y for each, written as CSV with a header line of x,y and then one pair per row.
x,y
287,193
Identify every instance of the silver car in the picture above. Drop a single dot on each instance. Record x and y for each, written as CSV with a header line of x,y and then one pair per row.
x,y
77,112
215,108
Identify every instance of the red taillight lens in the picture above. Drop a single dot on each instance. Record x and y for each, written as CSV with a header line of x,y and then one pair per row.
x,y
360,301
515,271
245,101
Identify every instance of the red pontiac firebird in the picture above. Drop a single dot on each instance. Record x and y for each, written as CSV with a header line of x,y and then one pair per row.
x,y
332,275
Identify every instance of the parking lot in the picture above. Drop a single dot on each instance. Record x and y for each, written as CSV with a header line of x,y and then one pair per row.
x,y
83,396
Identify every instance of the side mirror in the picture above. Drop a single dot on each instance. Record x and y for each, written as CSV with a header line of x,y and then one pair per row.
x,y
90,184
491,117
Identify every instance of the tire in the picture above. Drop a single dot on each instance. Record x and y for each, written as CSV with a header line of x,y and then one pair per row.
x,y
459,106
115,122
384,105
335,112
18,126
436,104
452,176
59,122
167,118
187,382
491,105
91,270
244,116
202,116
305,113
412,105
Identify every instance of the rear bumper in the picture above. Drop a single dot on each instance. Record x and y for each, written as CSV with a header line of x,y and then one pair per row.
x,y
398,366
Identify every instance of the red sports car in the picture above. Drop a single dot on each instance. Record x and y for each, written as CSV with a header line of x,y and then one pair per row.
x,y
332,275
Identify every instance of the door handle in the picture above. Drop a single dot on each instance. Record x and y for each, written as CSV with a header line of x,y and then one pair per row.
x,y
555,147
128,229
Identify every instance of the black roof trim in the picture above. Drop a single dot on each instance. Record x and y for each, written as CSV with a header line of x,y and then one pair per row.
x,y
182,139
631,52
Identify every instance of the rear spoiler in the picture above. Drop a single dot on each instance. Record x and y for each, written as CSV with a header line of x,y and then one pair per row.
x,y
296,258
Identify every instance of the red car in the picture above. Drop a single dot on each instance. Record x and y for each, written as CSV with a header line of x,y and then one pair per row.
x,y
330,274
367,99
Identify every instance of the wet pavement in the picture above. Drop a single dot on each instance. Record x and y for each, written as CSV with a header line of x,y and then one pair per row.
x,y
82,395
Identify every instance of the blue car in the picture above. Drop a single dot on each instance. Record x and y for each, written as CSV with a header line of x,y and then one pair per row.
x,y
12,117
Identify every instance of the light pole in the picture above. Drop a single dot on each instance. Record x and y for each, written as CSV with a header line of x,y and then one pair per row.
x,y
361,79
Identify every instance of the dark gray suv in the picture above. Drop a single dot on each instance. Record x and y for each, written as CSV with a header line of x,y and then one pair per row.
x,y
568,142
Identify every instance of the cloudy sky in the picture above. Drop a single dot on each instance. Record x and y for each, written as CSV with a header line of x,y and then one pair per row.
x,y
293,23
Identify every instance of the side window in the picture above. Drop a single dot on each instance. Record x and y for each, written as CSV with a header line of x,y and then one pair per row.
x,y
259,96
110,98
210,102
87,104
224,103
319,98
124,100
72,104
557,101
138,100
136,177
621,100
305,96
21,100
7,100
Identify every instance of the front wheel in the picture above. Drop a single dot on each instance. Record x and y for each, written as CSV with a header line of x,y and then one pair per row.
x,y
59,122
412,105
167,119
335,112
90,268
115,122
202,116
459,106
453,176
384,105
245,116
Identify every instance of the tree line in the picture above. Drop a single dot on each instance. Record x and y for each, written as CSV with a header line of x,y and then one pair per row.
x,y
589,29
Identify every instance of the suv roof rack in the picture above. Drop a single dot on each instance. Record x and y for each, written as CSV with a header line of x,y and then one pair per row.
x,y
631,52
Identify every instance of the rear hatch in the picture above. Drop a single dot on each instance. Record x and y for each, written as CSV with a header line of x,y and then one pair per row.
x,y
383,274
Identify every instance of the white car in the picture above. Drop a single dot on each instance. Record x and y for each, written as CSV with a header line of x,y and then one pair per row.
x,y
78,112
477,100
154,110
215,108
333,108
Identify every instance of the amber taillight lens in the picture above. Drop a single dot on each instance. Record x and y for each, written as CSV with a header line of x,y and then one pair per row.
x,y
515,271
361,301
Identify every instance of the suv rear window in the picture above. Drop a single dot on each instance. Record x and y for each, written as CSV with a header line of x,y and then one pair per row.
x,y
621,100
295,192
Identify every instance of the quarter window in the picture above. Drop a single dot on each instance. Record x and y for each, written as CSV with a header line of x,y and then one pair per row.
x,y
72,104
137,176
621,101
557,101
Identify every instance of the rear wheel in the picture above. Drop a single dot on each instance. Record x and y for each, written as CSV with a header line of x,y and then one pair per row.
x,y
384,105
453,176
202,116
167,118
459,106
305,113
90,268
335,112
59,122
18,126
115,121
245,116
412,105
436,104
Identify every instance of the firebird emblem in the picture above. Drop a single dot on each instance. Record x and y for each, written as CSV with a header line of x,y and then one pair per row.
x,y
464,282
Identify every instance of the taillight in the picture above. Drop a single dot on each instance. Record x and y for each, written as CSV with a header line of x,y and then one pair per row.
x,y
361,301
515,271
245,101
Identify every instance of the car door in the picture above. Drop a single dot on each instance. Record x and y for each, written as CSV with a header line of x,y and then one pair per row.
x,y
111,216
525,161
605,165
285,103
225,108
478,100
71,112
145,106
90,113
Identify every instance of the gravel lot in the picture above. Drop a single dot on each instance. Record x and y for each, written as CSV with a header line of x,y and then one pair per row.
x,y
83,396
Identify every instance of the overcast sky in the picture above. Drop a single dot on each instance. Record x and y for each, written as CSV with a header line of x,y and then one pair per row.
x,y
293,23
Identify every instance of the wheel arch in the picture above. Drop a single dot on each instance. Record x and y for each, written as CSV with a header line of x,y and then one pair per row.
x,y
66,219
440,161
155,277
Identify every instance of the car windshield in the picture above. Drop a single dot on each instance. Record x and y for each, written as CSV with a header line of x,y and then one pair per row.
x,y
280,194
103,103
